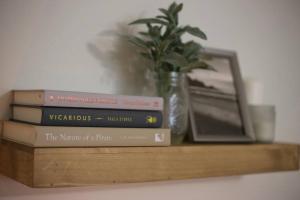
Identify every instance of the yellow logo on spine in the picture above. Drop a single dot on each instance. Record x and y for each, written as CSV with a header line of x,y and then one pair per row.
x,y
151,119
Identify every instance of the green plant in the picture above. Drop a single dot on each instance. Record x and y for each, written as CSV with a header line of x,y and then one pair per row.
x,y
162,43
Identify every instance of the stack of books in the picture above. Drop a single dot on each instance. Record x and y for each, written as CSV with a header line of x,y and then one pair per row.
x,y
46,118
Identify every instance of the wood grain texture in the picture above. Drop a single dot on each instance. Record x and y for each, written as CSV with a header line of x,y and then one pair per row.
x,y
55,167
16,162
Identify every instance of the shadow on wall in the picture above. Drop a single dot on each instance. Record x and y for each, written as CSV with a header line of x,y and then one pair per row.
x,y
5,101
18,189
122,61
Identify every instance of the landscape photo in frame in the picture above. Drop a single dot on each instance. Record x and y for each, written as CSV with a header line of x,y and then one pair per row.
x,y
218,107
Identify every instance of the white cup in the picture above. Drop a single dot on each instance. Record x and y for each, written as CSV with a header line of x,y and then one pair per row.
x,y
263,119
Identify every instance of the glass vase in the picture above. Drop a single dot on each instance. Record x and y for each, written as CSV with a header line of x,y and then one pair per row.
x,y
172,87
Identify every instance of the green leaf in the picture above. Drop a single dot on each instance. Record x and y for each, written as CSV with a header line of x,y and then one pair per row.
x,y
149,26
178,8
144,34
163,17
151,44
176,18
168,14
149,21
153,54
164,45
175,59
197,65
177,32
156,31
196,32
155,34
164,11
146,55
191,48
176,11
172,7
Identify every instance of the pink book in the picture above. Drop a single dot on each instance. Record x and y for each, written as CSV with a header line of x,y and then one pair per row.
x,y
83,99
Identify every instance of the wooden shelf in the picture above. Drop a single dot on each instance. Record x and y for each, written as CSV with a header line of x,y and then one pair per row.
x,y
55,167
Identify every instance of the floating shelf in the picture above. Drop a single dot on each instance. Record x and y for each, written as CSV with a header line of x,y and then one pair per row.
x,y
56,167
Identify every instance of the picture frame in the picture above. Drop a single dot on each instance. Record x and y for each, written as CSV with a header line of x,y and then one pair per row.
x,y
218,108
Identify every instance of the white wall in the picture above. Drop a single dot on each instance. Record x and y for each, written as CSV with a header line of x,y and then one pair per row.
x,y
72,45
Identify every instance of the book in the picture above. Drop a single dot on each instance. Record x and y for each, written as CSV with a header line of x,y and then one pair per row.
x,y
56,136
59,116
83,99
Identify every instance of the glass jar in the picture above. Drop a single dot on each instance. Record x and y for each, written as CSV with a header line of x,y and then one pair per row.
x,y
172,87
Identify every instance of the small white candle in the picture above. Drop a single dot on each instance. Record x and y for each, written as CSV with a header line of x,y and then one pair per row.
x,y
264,131
254,91
263,119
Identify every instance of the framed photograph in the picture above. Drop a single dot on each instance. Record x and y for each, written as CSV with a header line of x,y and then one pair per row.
x,y
218,108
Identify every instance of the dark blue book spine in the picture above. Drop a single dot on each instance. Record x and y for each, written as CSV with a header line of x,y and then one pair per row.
x,y
54,116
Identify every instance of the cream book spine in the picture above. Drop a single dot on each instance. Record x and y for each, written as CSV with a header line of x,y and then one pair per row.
x,y
55,136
